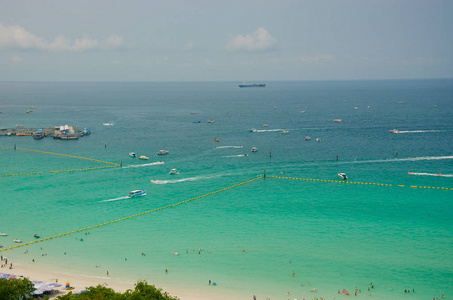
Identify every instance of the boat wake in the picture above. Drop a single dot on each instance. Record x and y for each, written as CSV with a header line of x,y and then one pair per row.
x,y
155,181
416,131
145,165
224,147
397,159
115,199
239,155
429,174
268,130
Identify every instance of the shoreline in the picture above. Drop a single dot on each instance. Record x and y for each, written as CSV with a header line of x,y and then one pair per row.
x,y
50,274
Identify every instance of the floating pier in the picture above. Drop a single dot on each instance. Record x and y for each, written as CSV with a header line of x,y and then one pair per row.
x,y
65,132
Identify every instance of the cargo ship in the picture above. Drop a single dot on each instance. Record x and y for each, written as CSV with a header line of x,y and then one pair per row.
x,y
243,85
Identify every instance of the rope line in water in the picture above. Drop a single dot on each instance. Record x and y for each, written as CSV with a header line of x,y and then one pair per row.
x,y
360,183
130,217
51,153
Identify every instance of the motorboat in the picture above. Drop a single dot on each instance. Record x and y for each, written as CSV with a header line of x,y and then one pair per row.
x,y
3,234
107,124
174,171
86,131
216,140
318,139
284,132
394,131
338,120
253,130
210,121
162,152
342,176
265,125
196,121
36,236
143,157
17,241
137,193
307,138
132,154
1,246
254,149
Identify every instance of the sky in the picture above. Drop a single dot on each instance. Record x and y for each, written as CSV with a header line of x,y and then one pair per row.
x,y
215,40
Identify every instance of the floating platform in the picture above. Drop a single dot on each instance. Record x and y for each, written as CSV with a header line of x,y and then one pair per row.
x,y
65,132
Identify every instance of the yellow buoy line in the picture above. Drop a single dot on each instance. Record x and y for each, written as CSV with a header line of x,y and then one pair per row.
x,y
4,148
22,174
359,183
129,217
85,169
51,153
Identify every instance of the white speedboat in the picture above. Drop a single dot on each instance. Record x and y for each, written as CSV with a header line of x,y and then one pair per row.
x,y
342,176
143,157
254,149
174,171
318,139
17,241
2,233
132,154
284,132
253,130
162,152
107,124
394,131
137,193
307,138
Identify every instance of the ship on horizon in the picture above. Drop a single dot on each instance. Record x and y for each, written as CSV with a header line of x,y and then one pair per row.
x,y
243,84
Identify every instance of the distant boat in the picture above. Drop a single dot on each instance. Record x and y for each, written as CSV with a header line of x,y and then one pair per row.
x,y
137,193
38,134
174,171
244,85
216,140
143,157
37,236
307,138
394,131
107,124
3,234
338,120
86,131
162,152
17,241
253,130
284,132
196,121
132,154
210,121
342,176
254,149
265,125
318,139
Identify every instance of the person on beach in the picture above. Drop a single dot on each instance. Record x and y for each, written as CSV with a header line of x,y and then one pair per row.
x,y
107,273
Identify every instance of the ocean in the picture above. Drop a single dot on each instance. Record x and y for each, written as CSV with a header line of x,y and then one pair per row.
x,y
298,229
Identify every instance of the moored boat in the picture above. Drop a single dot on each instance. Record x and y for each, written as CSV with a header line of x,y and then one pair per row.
x,y
36,236
132,154
86,131
254,149
3,234
143,157
162,152
38,134
137,193
244,85
307,138
210,121
17,241
174,171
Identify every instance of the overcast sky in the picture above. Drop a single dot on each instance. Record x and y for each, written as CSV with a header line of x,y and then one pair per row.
x,y
231,40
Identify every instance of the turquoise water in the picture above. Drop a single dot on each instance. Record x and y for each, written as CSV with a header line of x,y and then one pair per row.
x,y
331,235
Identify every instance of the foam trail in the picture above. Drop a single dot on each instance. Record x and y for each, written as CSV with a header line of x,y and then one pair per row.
x,y
116,199
239,155
398,159
155,181
267,130
145,165
417,131
430,174
223,147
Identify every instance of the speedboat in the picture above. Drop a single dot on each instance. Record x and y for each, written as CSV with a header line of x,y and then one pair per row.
x,y
216,140
174,171
1,246
254,149
253,130
107,124
394,131
37,236
265,125
132,154
17,241
342,176
143,157
2,233
162,152
210,121
318,139
338,120
284,132
86,131
196,121
307,138
137,193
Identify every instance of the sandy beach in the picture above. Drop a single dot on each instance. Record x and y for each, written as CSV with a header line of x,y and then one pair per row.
x,y
80,282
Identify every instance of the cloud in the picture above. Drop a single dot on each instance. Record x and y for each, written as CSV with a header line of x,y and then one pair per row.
x,y
260,40
314,58
18,38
